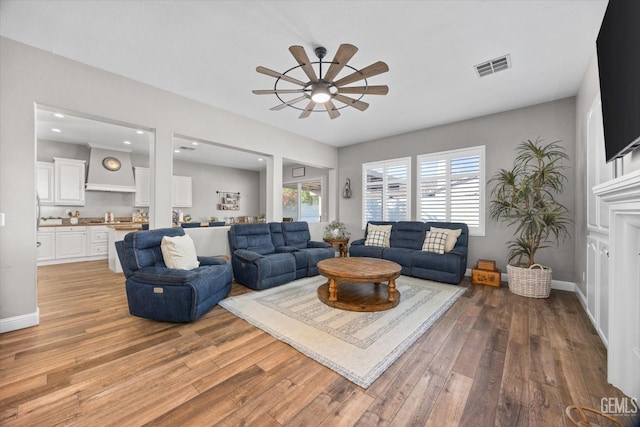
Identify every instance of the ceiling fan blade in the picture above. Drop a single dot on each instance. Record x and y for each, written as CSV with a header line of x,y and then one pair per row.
x,y
272,73
332,110
274,91
307,111
300,55
359,105
343,55
365,90
285,104
370,71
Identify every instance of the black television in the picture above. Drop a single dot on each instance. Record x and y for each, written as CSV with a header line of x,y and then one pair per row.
x,y
618,47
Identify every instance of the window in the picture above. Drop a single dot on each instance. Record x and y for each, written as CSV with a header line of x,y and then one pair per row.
x,y
387,191
451,187
302,201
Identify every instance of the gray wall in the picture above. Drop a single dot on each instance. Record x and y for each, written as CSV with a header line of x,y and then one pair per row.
x,y
207,179
500,133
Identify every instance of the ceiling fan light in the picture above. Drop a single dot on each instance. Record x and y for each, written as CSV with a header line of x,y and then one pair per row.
x,y
320,94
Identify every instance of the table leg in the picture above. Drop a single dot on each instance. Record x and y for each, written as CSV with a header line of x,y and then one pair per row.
x,y
343,250
392,290
333,290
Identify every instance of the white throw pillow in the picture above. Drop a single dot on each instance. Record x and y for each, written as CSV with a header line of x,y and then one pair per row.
x,y
452,237
179,252
383,229
434,241
377,238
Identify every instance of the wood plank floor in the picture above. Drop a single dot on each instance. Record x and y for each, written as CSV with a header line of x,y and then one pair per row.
x,y
494,359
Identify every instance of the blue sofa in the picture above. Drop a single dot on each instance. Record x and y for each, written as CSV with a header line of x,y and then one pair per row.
x,y
405,248
268,255
159,293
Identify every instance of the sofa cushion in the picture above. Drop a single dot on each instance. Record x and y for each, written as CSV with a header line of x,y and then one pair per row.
x,y
400,256
377,238
463,239
179,252
382,228
434,242
296,234
252,237
452,237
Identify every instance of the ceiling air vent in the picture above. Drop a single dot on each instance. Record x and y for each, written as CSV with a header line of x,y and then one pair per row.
x,y
187,148
493,66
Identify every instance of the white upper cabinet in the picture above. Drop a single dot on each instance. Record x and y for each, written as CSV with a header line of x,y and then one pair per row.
x,y
69,181
45,182
181,195
142,198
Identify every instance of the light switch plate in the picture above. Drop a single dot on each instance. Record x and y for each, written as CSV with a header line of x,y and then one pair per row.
x,y
1,220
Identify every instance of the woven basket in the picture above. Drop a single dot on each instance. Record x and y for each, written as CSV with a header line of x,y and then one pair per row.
x,y
530,282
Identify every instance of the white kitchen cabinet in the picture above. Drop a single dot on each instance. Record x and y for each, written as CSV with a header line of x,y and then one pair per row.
x,y
181,194
46,240
71,242
97,243
142,198
45,182
69,181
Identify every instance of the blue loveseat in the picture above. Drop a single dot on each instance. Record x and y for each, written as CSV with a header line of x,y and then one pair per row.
x,y
405,248
268,255
159,293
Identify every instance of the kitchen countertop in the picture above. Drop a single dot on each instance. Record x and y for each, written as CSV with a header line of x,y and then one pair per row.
x,y
82,222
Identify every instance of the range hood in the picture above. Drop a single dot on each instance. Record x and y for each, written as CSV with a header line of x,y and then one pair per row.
x,y
110,170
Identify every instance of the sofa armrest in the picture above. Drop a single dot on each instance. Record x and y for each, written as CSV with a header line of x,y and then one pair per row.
x,y
163,275
247,256
211,260
358,242
286,249
314,244
459,250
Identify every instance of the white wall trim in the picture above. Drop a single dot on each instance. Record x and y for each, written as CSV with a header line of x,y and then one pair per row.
x,y
561,285
19,322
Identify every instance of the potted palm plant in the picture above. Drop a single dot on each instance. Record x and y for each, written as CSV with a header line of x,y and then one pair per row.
x,y
524,197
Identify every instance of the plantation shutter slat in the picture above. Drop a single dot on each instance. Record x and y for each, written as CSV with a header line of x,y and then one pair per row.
x,y
450,189
387,191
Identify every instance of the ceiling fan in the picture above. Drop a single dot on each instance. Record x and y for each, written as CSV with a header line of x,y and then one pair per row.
x,y
324,89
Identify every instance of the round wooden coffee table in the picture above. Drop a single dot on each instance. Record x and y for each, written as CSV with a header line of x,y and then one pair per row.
x,y
345,289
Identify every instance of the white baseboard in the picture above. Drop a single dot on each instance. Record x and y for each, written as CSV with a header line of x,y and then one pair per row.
x,y
560,285
20,322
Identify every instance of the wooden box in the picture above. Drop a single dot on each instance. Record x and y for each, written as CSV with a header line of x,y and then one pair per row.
x,y
486,264
485,277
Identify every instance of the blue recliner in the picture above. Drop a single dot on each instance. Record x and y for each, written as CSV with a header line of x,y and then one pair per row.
x,y
268,255
159,293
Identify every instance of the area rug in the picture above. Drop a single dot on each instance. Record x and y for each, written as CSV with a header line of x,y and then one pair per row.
x,y
358,346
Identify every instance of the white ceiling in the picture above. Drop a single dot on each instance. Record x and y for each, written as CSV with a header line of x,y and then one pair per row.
x,y
54,124
208,51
